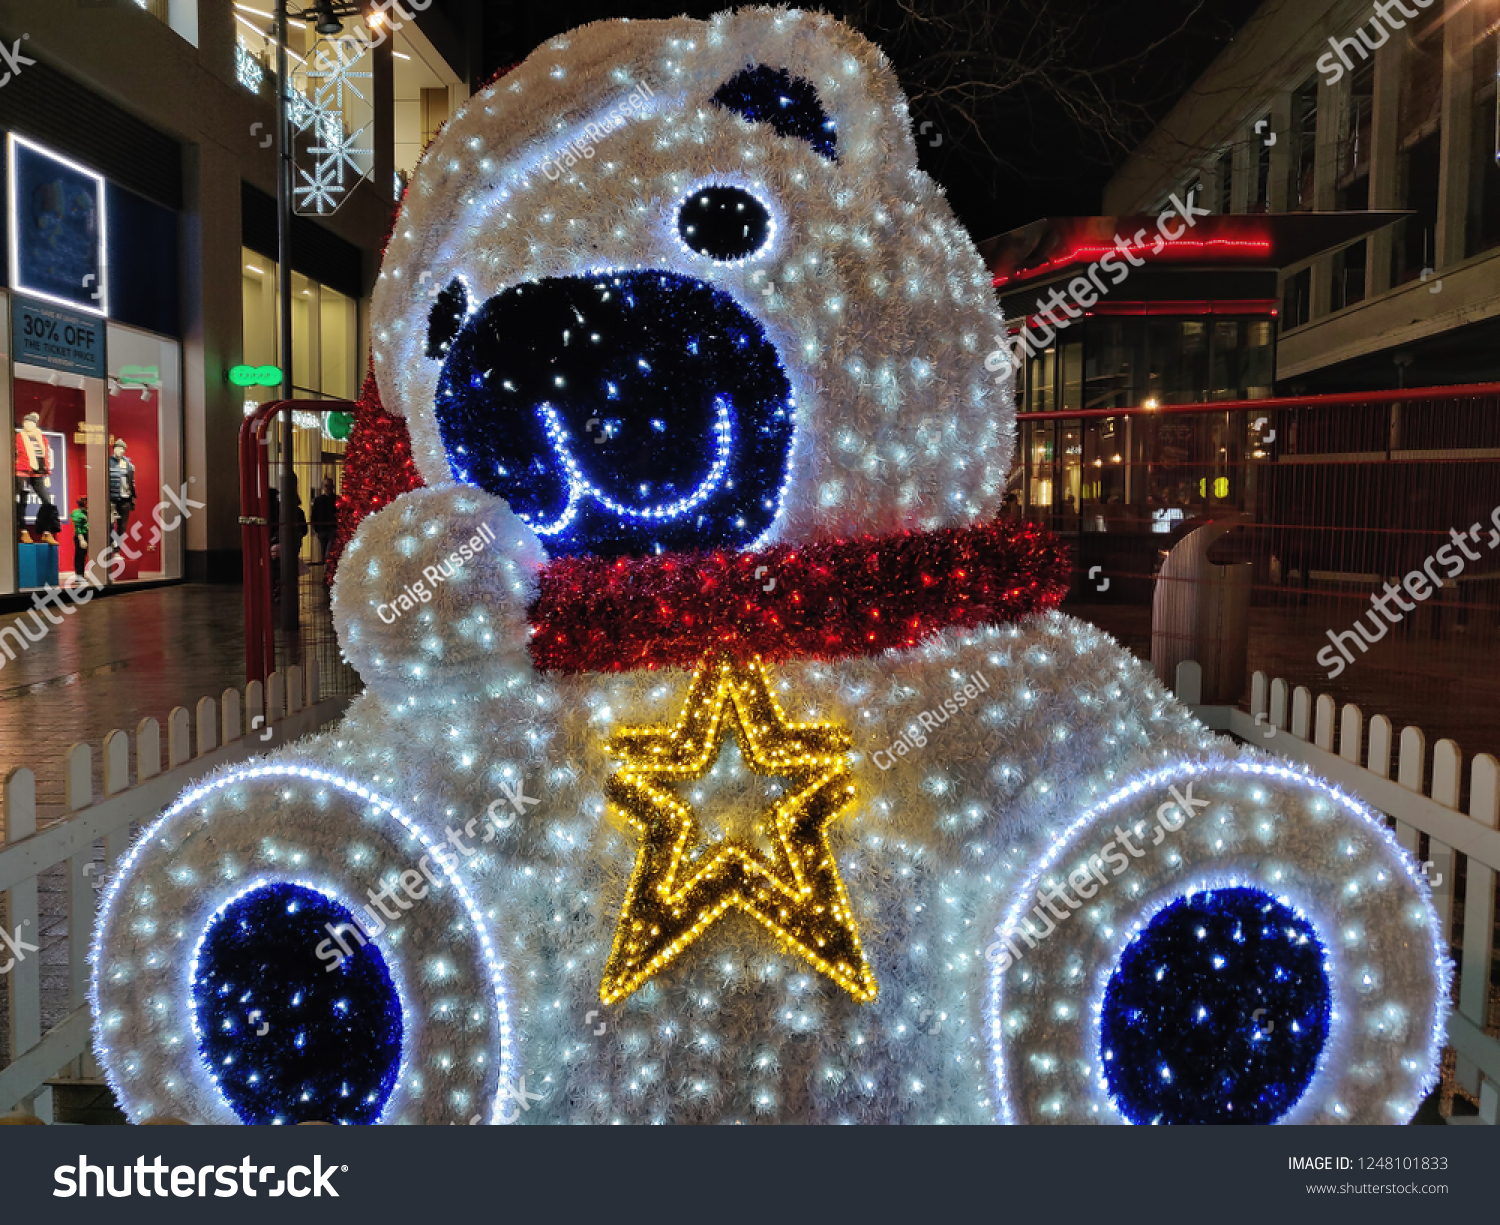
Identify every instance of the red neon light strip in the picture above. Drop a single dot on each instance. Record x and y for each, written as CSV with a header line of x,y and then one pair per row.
x,y
1171,307
1260,246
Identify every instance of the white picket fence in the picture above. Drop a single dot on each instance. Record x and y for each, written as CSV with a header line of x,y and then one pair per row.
x,y
1287,722
1292,724
285,708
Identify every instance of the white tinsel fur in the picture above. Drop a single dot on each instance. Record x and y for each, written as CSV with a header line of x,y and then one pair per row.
x,y
882,313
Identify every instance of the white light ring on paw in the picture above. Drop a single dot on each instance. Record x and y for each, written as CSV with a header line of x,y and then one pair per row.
x,y
188,865
1267,827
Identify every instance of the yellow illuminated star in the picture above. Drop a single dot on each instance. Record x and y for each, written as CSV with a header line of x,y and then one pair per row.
x,y
795,892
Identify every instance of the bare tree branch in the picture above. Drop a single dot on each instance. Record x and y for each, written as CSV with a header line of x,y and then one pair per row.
x,y
984,71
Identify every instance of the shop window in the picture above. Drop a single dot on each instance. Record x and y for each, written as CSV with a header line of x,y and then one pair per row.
x,y
1349,287
1296,299
1039,381
1228,360
326,364
1260,200
1241,359
1304,143
1419,144
1072,375
1170,463
1192,335
1349,275
1178,360
1068,500
1193,190
1039,463
1416,236
1258,368
1420,105
1104,485
144,388
1484,198
325,333
1354,139
58,446
98,453
1116,361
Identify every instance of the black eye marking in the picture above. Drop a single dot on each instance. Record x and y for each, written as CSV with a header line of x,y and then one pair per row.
x,y
724,223
447,316
789,104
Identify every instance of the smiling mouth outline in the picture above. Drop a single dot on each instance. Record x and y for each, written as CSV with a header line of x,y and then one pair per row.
x,y
580,487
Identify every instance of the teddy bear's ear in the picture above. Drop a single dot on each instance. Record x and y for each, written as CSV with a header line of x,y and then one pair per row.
x,y
809,77
789,105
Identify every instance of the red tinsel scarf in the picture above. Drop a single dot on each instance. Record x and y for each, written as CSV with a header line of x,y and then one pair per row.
x,y
829,600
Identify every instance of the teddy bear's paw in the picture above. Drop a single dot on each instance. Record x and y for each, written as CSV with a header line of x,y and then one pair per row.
x,y
433,589
1250,946
286,945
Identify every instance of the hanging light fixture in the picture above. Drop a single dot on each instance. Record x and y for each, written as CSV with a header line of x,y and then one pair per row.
x,y
327,23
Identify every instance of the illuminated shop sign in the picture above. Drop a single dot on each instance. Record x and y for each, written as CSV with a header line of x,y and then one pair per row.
x,y
57,229
255,376
58,339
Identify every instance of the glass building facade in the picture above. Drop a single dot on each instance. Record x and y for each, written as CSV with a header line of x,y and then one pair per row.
x,y
1097,472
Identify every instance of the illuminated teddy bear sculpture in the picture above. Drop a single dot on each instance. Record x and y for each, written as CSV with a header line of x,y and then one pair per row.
x,y
730,761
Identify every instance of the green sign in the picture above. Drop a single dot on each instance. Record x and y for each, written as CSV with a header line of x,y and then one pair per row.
x,y
255,376
339,425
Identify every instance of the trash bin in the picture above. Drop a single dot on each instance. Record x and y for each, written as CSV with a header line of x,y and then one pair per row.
x,y
1201,611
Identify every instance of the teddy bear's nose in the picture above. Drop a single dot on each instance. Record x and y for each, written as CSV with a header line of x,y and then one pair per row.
x,y
622,412
724,223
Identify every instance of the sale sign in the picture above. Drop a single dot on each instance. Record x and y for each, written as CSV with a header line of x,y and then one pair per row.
x,y
57,339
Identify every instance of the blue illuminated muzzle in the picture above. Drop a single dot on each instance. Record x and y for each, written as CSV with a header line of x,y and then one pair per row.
x,y
628,412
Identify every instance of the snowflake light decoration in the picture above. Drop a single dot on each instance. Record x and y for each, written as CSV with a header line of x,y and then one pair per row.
x,y
320,190
339,148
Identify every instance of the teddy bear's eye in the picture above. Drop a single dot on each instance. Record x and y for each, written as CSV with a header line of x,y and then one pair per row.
x,y
790,105
725,223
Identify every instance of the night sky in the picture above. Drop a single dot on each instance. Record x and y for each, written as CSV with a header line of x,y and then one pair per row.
x,y
1041,160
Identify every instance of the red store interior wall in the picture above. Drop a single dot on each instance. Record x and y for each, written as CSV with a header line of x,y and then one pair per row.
x,y
60,410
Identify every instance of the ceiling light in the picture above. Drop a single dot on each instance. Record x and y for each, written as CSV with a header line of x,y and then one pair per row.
x,y
327,22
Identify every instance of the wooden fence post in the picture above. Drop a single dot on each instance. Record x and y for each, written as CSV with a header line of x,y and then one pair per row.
x,y
85,880
1479,920
24,927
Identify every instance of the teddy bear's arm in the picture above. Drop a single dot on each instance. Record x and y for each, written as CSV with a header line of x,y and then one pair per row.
x,y
434,588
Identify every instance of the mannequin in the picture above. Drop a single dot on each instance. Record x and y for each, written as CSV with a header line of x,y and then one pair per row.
x,y
80,520
33,476
121,490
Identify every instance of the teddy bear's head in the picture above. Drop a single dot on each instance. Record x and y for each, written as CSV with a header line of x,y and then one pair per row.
x,y
681,285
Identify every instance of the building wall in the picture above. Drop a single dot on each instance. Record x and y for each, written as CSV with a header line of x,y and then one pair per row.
x,y
191,93
1457,298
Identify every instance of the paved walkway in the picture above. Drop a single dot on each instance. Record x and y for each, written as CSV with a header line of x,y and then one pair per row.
x,y
110,664
1446,684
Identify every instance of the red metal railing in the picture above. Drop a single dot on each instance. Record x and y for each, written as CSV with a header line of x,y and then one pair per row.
x,y
1332,498
255,527
1409,394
